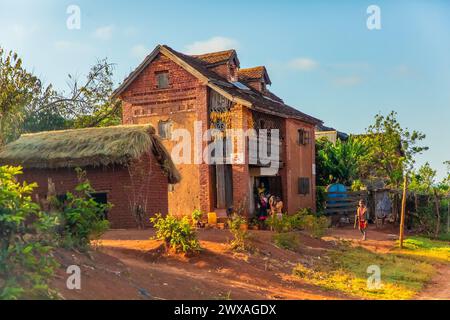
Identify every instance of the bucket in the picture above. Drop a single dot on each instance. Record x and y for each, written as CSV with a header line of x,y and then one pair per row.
x,y
212,218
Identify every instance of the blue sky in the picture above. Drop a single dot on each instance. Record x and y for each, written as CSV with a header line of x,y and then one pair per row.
x,y
320,55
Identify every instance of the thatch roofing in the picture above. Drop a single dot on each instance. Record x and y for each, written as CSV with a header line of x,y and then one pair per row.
x,y
88,147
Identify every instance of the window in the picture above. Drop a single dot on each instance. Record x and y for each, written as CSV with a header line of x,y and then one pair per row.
x,y
165,129
303,137
303,186
162,80
101,198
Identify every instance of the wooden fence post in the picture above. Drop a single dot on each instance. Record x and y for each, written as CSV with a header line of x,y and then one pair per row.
x,y
402,217
448,215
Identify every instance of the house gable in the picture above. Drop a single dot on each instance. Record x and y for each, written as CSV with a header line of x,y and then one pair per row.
x,y
250,98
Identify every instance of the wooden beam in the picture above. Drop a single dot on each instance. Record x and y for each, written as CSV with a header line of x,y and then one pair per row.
x,y
402,217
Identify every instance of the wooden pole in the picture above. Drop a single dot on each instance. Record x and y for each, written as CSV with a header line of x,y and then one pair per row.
x,y
448,215
402,217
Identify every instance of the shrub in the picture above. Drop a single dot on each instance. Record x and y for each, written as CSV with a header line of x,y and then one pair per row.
x,y
288,241
305,220
82,218
279,225
177,234
321,195
241,235
26,263
197,217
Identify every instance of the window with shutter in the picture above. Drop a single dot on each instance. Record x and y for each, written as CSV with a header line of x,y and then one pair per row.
x,y
162,80
303,186
165,129
303,137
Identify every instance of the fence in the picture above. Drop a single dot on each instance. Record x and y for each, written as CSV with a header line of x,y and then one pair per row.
x,y
343,204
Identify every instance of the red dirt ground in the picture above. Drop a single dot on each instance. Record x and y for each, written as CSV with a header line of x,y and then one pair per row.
x,y
127,265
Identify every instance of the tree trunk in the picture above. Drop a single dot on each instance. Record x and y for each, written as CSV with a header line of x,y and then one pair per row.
x,y
438,224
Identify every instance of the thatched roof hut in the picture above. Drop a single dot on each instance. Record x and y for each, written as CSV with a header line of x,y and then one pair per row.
x,y
88,147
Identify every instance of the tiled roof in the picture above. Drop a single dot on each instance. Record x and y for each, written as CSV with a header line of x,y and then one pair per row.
x,y
259,102
268,103
254,73
215,57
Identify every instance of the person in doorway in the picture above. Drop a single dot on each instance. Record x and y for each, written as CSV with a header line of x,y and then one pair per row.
x,y
261,189
272,205
279,208
361,218
262,216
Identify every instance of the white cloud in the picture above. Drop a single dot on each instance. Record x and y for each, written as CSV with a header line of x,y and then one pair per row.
x,y
303,64
211,45
140,51
348,81
104,33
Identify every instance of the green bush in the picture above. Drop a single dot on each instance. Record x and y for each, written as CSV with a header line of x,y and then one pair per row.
x,y
196,217
82,218
321,195
178,234
316,226
287,240
241,235
26,262
279,225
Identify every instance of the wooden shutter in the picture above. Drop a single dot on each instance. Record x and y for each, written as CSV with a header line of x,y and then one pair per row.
x,y
303,137
162,80
304,186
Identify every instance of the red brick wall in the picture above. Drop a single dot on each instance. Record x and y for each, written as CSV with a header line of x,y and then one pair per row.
x,y
223,70
299,163
184,102
116,182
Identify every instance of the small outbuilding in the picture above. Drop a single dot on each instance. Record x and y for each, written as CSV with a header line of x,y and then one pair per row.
x,y
126,165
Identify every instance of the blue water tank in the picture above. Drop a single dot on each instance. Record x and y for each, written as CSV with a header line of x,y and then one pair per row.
x,y
336,187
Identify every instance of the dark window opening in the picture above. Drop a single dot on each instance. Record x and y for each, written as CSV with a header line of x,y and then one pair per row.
x,y
263,86
303,186
101,198
304,137
162,80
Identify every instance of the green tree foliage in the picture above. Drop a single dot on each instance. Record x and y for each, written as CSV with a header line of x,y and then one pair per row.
x,y
18,89
27,106
25,240
391,149
423,180
340,161
178,234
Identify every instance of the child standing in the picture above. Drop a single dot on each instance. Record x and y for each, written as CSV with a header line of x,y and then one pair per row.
x,y
361,218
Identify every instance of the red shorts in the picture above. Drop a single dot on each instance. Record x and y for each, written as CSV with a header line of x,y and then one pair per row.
x,y
363,225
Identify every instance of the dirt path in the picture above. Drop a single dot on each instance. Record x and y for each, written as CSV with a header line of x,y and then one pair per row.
x,y
439,287
127,265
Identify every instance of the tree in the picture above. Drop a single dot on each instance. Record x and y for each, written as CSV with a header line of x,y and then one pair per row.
x,y
27,106
89,104
391,149
340,161
423,180
17,90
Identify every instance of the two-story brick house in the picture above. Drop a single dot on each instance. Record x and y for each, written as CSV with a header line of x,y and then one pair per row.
x,y
174,91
